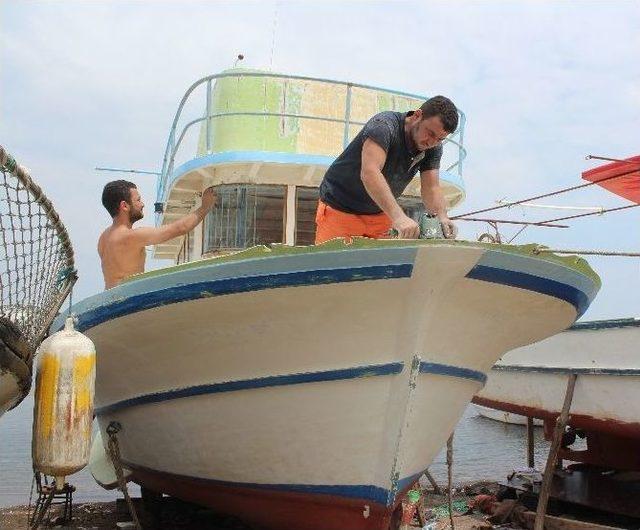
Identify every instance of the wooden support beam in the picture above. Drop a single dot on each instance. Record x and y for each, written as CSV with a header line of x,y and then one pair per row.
x,y
560,523
434,484
530,455
549,469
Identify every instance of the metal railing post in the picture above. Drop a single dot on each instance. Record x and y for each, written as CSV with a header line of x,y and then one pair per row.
x,y
208,127
347,117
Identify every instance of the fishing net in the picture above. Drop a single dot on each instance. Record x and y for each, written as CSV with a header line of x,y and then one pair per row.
x,y
36,257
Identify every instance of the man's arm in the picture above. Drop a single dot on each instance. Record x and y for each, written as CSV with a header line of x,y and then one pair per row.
x,y
149,235
434,200
373,159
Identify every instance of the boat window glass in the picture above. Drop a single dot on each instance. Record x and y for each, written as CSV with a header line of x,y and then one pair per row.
x,y
306,205
246,215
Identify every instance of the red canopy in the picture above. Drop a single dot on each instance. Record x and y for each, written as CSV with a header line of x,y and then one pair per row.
x,y
627,185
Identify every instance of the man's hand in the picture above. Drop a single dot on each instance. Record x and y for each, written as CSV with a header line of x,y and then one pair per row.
x,y
209,198
406,227
449,230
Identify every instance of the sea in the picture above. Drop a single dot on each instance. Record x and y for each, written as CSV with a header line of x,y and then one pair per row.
x,y
483,449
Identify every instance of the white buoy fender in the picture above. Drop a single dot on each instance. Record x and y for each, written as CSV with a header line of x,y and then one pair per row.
x,y
63,410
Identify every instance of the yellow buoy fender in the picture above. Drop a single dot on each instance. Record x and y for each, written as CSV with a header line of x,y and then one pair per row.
x,y
63,410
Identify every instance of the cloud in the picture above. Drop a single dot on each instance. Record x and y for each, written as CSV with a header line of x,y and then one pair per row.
x,y
542,84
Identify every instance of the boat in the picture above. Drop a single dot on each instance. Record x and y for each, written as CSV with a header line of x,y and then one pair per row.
x,y
36,276
297,385
532,380
505,417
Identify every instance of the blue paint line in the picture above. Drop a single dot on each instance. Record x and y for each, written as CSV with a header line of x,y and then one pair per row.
x,y
259,382
272,157
565,370
211,269
365,492
452,371
568,293
194,291
528,264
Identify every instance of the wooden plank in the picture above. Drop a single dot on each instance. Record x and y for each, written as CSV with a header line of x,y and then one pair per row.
x,y
559,523
530,454
561,423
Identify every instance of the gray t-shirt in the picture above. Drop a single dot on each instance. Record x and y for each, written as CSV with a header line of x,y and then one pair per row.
x,y
342,187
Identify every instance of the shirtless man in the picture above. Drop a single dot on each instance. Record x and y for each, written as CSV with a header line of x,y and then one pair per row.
x,y
122,247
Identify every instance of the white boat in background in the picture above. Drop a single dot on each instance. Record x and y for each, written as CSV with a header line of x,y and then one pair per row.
x,y
300,386
505,417
605,354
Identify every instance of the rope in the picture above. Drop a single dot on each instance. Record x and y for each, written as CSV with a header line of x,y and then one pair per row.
x,y
540,250
36,260
450,478
545,195
114,453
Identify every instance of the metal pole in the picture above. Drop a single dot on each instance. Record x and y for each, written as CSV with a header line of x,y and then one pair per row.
x,y
347,117
208,127
545,195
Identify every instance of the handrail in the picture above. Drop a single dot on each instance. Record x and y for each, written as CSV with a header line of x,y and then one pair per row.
x,y
173,145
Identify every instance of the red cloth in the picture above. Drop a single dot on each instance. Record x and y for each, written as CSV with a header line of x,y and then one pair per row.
x,y
627,185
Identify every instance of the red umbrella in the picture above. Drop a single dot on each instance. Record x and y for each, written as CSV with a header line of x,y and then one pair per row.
x,y
626,185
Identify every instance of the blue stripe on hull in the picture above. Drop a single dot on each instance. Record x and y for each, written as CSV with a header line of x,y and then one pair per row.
x,y
369,493
522,280
192,291
261,382
452,371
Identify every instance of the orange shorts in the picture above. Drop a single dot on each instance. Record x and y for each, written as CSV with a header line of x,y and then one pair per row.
x,y
331,223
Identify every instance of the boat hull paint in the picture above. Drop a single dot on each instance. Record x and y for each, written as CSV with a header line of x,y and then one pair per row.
x,y
532,381
325,379
15,379
272,508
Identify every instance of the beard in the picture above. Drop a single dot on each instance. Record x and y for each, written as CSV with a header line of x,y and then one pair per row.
x,y
135,215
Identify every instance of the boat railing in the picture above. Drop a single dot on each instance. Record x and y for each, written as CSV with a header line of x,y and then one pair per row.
x,y
175,140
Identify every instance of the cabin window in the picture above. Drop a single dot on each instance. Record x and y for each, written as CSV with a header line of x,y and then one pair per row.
x,y
246,215
306,205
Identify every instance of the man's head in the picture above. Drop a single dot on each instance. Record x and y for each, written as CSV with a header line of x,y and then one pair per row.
x,y
121,197
432,122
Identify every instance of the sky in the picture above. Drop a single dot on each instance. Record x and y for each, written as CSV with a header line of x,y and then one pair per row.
x,y
542,84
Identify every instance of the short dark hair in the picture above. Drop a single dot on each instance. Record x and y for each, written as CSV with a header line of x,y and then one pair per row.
x,y
114,193
444,108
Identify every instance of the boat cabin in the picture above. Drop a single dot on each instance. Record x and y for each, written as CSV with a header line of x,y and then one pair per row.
x,y
265,141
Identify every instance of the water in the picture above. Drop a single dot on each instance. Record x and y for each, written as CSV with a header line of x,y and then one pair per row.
x,y
484,449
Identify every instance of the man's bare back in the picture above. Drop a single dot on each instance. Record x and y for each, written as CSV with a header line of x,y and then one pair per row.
x,y
120,255
122,247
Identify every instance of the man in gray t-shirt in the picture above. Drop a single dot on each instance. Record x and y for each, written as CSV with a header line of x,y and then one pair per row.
x,y
359,190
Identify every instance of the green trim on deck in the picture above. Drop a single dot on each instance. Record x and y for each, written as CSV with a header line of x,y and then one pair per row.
x,y
572,262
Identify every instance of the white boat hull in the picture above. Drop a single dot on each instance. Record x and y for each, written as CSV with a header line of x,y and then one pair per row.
x,y
532,380
505,417
319,381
